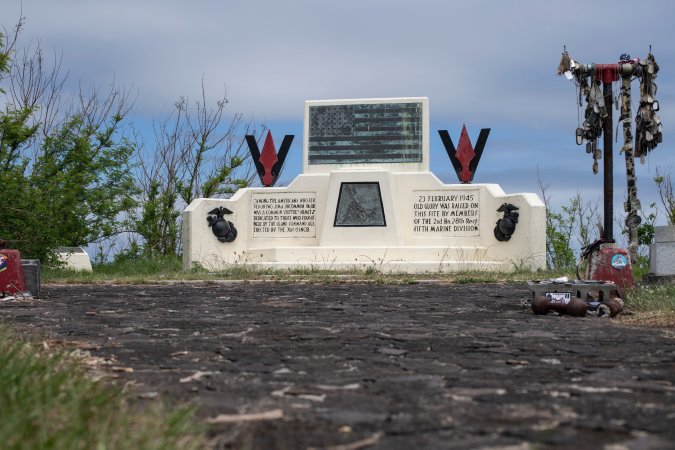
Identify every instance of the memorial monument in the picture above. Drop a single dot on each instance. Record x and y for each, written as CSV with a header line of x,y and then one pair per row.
x,y
366,199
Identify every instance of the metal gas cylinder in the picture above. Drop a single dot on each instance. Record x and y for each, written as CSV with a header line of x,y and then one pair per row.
x,y
11,272
574,306
610,263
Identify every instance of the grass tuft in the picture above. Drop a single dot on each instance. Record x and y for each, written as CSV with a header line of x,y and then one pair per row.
x,y
47,401
652,305
153,270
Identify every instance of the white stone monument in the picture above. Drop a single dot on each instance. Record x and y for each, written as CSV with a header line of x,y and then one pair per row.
x,y
366,199
75,258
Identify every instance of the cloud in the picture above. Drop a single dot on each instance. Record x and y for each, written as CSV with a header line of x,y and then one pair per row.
x,y
486,63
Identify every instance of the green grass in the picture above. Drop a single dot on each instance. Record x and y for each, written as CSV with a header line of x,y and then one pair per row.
x,y
170,269
652,305
47,401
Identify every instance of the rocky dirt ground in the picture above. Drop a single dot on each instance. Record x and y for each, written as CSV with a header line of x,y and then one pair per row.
x,y
352,366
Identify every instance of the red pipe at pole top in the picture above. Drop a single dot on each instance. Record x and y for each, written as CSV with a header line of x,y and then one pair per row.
x,y
608,73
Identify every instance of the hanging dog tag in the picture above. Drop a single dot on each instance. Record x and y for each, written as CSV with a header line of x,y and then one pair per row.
x,y
601,98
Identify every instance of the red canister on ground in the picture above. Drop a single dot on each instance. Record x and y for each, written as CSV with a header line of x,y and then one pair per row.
x,y
610,263
11,272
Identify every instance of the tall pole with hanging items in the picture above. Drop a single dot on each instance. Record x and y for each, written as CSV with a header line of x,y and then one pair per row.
x,y
605,260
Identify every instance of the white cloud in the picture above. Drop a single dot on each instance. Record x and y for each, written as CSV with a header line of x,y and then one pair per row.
x,y
486,63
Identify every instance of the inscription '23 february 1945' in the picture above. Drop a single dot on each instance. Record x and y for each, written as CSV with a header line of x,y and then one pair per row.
x,y
446,213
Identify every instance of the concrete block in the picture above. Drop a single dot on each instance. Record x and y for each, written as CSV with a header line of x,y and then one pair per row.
x,y
75,258
664,234
662,258
31,275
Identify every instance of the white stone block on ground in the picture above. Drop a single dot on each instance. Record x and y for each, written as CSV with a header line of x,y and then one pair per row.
x,y
75,258
662,258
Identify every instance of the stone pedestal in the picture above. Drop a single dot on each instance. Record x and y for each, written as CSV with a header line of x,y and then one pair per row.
x,y
662,255
421,225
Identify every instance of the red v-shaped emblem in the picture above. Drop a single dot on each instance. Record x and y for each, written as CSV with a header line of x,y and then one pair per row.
x,y
465,159
268,164
268,158
465,155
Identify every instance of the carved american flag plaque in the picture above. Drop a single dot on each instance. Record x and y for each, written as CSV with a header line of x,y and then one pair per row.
x,y
366,133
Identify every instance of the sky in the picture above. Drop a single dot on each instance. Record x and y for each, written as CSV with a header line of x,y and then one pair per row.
x,y
484,63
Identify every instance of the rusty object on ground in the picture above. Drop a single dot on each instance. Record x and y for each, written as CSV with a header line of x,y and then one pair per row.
x,y
574,307
606,262
576,297
615,305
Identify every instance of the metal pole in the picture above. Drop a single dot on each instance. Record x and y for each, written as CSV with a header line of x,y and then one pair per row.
x,y
632,205
608,165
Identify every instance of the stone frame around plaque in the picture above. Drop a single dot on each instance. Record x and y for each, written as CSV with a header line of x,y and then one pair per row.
x,y
409,159
355,214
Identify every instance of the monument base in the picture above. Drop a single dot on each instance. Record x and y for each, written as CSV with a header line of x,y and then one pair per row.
x,y
384,259
361,219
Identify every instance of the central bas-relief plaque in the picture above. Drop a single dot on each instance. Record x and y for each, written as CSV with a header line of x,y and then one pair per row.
x,y
360,205
365,133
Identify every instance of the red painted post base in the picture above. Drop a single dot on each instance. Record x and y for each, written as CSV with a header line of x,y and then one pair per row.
x,y
610,263
11,272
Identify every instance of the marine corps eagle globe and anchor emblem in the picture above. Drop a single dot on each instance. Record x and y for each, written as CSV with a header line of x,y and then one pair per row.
x,y
223,229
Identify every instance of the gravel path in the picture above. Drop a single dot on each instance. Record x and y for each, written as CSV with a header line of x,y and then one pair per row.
x,y
352,366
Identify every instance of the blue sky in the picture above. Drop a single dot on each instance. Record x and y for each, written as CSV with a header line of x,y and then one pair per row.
x,y
485,63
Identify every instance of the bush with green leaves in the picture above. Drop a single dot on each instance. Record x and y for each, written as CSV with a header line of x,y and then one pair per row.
x,y
74,172
65,173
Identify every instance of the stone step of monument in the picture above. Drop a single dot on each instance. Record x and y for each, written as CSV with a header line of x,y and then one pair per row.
x,y
387,259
